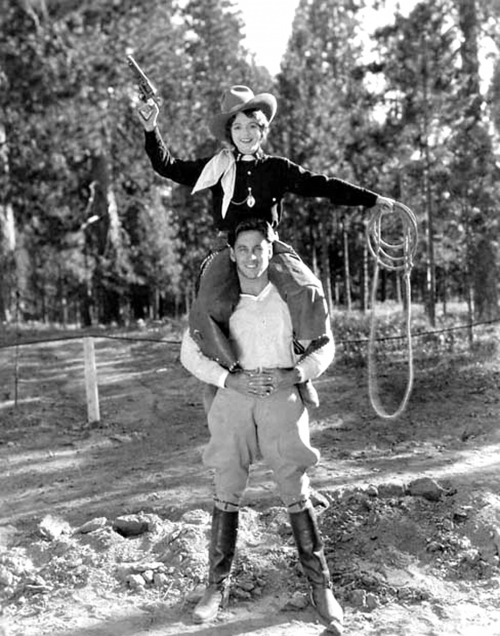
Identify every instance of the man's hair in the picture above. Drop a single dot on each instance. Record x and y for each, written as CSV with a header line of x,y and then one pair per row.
x,y
252,224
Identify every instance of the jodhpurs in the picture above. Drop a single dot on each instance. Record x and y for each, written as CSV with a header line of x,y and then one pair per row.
x,y
245,429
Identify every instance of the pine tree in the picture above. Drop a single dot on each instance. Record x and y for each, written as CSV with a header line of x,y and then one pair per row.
x,y
323,124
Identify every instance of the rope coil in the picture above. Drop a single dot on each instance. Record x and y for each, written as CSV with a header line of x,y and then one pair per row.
x,y
396,257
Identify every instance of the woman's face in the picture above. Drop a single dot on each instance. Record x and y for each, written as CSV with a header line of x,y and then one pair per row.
x,y
246,134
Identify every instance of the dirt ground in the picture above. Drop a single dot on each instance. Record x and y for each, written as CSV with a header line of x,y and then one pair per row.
x,y
103,528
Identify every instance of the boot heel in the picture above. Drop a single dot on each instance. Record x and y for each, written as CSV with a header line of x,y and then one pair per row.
x,y
328,609
207,608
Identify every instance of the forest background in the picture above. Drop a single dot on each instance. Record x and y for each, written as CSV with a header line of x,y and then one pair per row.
x,y
90,235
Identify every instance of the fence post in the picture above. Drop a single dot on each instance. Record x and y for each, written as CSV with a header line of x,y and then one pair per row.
x,y
92,392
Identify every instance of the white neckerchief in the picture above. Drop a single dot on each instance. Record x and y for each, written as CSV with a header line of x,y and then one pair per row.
x,y
221,166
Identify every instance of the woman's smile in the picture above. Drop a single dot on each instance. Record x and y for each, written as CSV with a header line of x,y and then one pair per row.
x,y
246,134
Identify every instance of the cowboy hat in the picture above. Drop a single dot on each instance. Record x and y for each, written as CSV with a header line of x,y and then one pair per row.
x,y
237,99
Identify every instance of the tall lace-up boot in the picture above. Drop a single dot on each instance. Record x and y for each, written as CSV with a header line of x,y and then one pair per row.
x,y
220,558
313,561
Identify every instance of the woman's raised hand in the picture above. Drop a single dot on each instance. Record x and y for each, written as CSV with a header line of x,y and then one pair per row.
x,y
148,114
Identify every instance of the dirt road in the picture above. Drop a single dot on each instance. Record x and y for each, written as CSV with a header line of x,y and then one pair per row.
x,y
407,556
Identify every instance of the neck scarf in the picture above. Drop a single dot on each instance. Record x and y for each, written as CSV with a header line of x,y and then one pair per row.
x,y
221,166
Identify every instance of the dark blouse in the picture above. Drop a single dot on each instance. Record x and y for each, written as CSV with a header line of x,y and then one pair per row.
x,y
268,178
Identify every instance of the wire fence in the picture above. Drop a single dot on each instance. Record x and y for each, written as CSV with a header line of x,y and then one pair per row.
x,y
97,336
177,341
19,362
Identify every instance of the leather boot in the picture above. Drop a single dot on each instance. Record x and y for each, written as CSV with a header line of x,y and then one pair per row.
x,y
312,559
220,557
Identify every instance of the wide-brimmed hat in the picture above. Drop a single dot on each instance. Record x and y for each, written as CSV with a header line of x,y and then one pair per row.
x,y
237,99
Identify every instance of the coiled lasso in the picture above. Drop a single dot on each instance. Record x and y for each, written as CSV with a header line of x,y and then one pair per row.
x,y
396,257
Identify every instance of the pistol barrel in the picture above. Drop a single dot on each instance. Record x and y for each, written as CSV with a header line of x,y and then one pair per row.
x,y
146,88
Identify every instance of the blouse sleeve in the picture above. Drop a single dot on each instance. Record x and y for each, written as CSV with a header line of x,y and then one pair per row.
x,y
310,184
183,172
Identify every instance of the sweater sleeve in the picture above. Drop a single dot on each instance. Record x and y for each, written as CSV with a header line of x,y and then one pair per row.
x,y
317,362
203,368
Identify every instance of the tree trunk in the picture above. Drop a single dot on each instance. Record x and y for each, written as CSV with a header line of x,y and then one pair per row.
x,y
347,270
7,262
7,235
468,275
85,302
365,296
483,275
431,265
400,297
325,267
484,281
107,243
444,296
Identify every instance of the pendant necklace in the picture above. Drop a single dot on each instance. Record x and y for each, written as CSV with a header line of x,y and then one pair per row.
x,y
249,199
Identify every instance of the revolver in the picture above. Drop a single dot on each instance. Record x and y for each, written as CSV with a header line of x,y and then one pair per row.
x,y
146,88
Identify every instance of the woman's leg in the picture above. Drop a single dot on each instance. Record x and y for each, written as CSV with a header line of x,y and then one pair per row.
x,y
301,290
218,294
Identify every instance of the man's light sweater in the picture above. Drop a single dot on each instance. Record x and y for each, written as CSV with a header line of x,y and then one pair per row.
x,y
262,337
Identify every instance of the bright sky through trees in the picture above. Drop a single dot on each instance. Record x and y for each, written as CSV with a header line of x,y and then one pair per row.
x,y
268,25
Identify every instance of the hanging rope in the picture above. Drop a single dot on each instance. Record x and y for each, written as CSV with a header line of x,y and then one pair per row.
x,y
396,257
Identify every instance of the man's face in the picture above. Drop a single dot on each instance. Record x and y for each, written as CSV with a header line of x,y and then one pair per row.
x,y
252,253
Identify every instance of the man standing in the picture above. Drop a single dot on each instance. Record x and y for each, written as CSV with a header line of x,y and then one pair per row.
x,y
258,412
